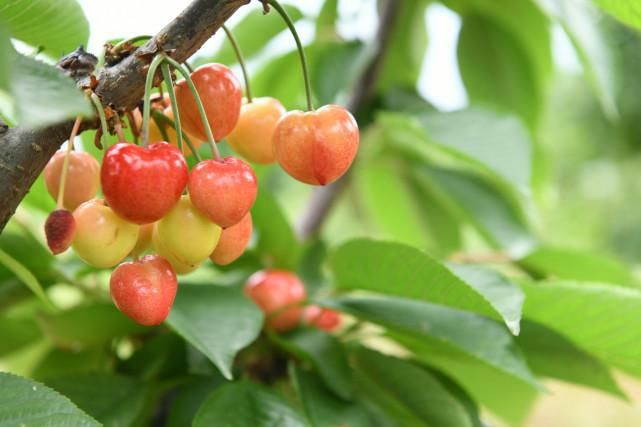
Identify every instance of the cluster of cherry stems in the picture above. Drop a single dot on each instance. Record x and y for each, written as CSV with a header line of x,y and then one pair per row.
x,y
151,199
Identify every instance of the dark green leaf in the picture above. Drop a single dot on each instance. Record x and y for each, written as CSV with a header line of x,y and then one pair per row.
x,y
310,269
161,356
25,276
16,333
59,362
216,320
189,397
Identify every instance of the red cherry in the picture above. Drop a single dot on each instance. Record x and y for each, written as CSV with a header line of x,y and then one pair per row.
x,y
223,190
144,290
233,242
60,229
221,95
316,147
142,184
323,318
278,293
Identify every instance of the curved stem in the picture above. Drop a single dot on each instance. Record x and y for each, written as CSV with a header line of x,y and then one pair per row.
x,y
241,62
201,109
120,45
65,163
147,103
166,75
160,124
103,119
161,120
301,52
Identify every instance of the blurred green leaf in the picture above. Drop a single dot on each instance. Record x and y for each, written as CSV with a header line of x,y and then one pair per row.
x,y
25,276
344,59
160,356
189,397
396,269
113,400
16,333
245,404
24,248
326,20
6,50
59,362
58,27
626,11
310,269
217,321
26,402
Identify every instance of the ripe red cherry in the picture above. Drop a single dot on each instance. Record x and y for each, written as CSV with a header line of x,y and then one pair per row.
x,y
142,184
233,242
144,290
323,318
223,190
316,147
279,294
83,178
221,95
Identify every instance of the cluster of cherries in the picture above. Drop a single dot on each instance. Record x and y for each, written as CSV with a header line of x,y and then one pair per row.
x,y
151,198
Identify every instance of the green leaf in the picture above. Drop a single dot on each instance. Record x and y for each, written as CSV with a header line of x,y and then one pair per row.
x,y
326,20
311,266
626,11
276,239
459,331
113,400
551,355
26,402
17,333
400,270
189,397
161,356
59,362
573,264
25,276
325,353
6,50
415,388
344,59
244,404
57,26
218,321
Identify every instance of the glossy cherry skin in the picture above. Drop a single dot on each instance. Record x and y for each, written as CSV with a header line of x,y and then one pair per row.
x,y
145,289
223,190
179,266
143,184
233,242
277,291
252,136
316,147
102,239
60,229
323,318
221,95
83,177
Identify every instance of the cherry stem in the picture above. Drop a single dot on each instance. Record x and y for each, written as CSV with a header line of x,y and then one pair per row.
x,y
189,67
241,62
65,163
201,108
147,100
162,120
103,119
299,45
166,75
120,45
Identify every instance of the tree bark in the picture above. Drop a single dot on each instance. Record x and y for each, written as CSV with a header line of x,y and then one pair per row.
x,y
24,152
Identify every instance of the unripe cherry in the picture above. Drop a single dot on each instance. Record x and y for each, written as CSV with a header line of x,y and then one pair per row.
x,y
144,289
233,242
178,266
83,177
323,318
279,294
103,239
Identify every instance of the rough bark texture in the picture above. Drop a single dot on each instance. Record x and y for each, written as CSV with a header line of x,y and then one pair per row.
x,y
25,152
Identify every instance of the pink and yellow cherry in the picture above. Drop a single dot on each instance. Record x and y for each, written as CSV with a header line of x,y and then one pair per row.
x,y
187,234
144,240
252,136
60,229
316,147
102,239
280,295
233,242
162,249
323,318
142,184
223,190
144,290
221,95
83,177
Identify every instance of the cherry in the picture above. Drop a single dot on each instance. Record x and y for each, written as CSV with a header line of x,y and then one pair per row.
x,y
316,147
155,135
252,136
323,318
144,240
142,184
145,289
83,177
233,242
103,239
162,249
220,93
60,229
187,234
279,294
223,190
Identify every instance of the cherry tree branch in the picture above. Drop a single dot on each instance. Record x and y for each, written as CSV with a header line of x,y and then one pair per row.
x,y
24,152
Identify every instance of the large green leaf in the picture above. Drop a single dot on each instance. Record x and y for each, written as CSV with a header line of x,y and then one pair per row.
x,y
57,26
216,320
627,11
326,20
346,59
27,403
245,404
189,397
459,331
400,270
17,333
113,400
25,276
